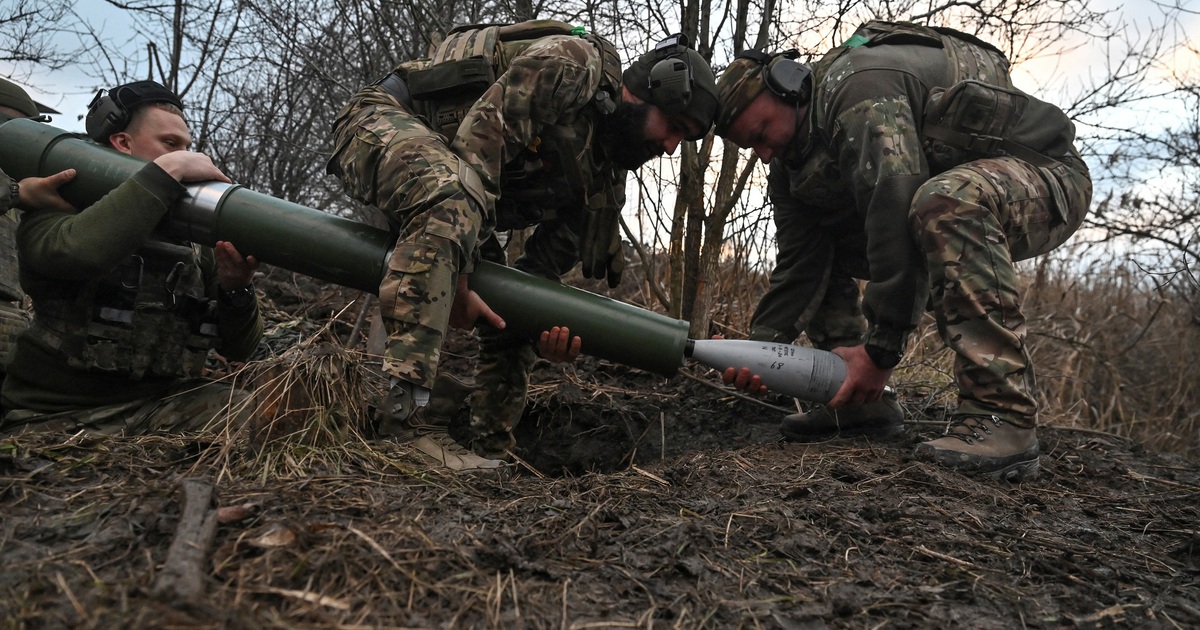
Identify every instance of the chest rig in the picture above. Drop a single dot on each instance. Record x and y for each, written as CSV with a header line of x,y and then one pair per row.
x,y
560,169
972,60
149,317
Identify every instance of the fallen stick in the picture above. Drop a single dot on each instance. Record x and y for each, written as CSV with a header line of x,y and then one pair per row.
x,y
182,575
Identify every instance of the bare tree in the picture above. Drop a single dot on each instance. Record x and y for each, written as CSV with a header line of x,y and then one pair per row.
x,y
30,35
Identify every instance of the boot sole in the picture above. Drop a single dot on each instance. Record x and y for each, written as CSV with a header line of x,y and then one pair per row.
x,y
1018,472
1023,470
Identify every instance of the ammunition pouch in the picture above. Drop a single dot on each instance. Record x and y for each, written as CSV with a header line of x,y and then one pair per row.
x,y
150,317
451,79
971,120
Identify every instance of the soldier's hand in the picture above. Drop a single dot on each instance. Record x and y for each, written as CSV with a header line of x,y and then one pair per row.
x,y
41,193
186,166
468,307
234,271
744,380
557,346
864,380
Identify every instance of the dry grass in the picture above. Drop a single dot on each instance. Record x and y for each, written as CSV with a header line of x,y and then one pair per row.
x,y
1114,351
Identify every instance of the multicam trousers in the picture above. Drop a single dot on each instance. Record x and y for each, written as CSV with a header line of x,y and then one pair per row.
x,y
191,405
973,222
505,359
387,157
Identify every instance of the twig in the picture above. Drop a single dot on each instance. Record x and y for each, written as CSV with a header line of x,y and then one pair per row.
x,y
183,574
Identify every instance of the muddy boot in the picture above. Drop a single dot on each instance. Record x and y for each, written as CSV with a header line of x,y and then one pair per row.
x,y
405,415
985,445
881,418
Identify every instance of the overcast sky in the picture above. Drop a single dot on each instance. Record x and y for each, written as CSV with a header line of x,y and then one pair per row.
x,y
71,89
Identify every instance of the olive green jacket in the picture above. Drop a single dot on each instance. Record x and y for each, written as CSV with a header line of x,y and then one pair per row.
x,y
62,251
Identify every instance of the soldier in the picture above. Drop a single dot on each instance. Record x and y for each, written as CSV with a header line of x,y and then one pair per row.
x,y
503,127
123,318
905,157
29,193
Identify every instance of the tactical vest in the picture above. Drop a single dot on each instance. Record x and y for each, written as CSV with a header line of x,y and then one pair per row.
x,y
979,114
10,284
149,317
557,170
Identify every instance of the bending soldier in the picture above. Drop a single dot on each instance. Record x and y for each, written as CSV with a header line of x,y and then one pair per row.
x,y
905,157
503,127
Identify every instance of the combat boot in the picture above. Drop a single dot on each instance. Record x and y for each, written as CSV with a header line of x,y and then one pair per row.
x,y
427,425
881,418
985,445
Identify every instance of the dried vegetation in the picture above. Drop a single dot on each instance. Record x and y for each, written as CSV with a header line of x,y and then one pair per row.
x,y
638,502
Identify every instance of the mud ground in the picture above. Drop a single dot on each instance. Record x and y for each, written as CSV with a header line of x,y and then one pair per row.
x,y
640,502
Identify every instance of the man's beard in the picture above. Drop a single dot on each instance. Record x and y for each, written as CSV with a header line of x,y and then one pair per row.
x,y
622,134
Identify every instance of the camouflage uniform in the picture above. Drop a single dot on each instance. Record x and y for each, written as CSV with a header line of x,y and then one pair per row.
x,y
13,318
123,321
445,196
864,192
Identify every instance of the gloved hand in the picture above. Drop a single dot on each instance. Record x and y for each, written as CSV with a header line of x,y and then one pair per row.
x,y
600,250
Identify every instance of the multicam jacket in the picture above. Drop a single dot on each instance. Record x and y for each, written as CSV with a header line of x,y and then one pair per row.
x,y
10,289
530,135
119,314
851,173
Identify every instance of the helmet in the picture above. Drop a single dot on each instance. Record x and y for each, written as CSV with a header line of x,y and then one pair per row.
x,y
751,73
15,97
111,111
676,79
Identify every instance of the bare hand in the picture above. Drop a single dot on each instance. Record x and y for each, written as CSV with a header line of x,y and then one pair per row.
x,y
233,270
41,193
864,380
744,380
186,166
469,307
557,346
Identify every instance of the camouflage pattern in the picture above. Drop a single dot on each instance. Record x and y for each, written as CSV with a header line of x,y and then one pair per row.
x,y
738,86
860,179
972,223
196,405
119,315
149,317
13,321
6,201
505,359
498,403
10,281
442,194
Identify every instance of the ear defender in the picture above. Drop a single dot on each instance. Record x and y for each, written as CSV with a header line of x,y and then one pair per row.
x,y
111,111
787,78
671,79
105,117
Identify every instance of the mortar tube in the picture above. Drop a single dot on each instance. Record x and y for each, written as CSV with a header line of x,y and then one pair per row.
x,y
343,251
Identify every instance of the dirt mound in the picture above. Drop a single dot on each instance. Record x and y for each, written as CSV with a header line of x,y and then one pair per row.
x,y
639,502
701,519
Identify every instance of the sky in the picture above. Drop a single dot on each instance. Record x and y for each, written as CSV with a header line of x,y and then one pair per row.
x,y
71,89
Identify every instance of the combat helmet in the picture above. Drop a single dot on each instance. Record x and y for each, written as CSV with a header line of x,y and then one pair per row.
x,y
676,79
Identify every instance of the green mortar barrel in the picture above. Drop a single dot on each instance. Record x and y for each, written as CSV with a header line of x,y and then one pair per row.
x,y
343,251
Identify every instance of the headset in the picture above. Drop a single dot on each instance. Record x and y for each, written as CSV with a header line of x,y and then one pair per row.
x,y
671,80
787,78
111,111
